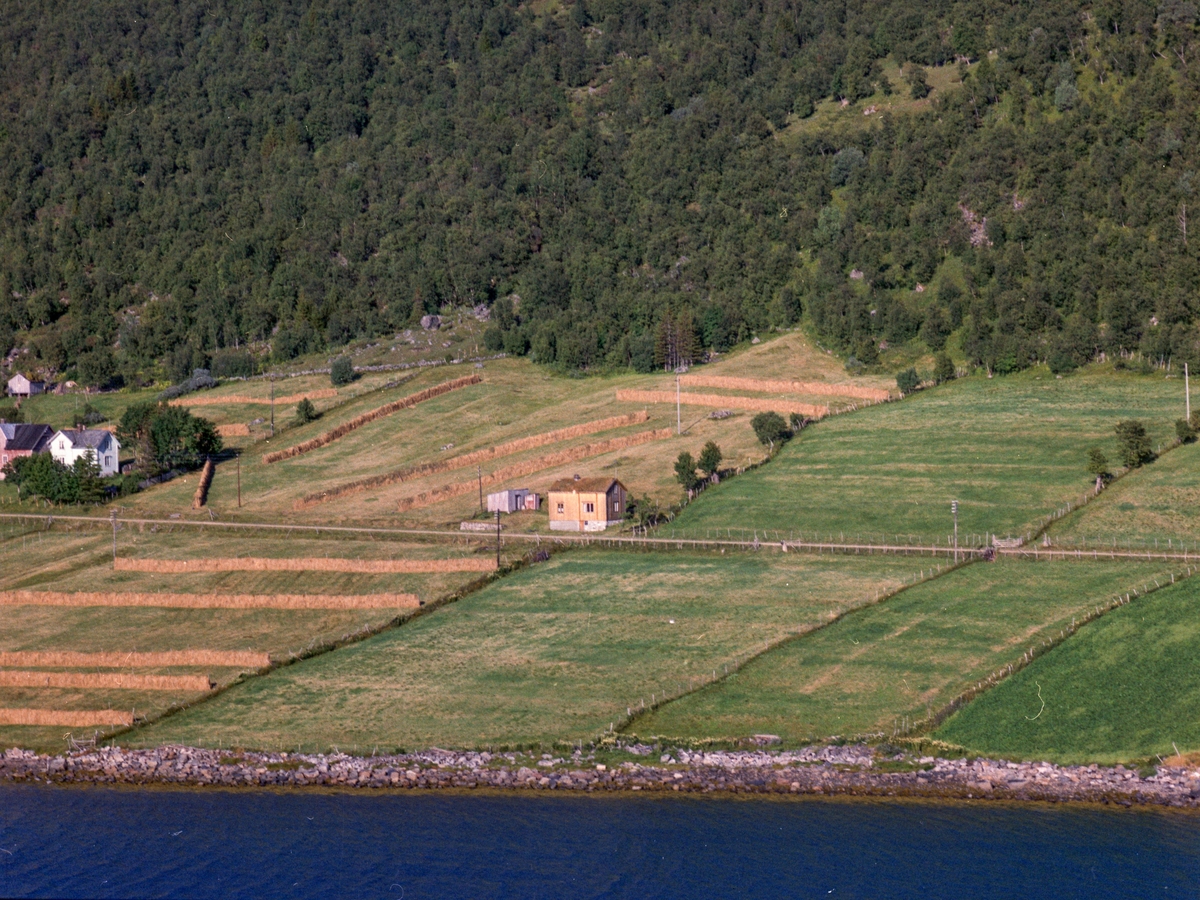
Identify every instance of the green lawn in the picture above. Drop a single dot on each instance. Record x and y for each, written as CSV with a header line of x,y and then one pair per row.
x,y
1010,450
555,652
1156,506
1126,686
904,658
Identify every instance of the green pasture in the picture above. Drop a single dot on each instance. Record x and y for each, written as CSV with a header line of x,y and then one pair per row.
x,y
1125,687
897,662
1010,450
1156,506
555,652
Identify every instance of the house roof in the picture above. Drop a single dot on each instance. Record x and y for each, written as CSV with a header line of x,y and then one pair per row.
x,y
25,437
92,438
599,485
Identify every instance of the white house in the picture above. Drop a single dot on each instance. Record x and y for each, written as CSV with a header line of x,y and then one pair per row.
x,y
20,386
70,444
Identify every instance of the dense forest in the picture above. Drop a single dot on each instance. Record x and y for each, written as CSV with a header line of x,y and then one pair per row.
x,y
623,182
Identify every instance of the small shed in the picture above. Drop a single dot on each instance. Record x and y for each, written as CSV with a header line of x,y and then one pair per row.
x,y
515,500
20,386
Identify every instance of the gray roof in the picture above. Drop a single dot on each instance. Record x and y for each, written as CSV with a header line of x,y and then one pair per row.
x,y
86,437
18,436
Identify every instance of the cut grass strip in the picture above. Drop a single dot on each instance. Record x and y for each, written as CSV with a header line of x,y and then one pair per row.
x,y
768,386
722,401
210,601
117,680
529,467
230,399
470,459
357,422
70,718
70,659
311,564
236,430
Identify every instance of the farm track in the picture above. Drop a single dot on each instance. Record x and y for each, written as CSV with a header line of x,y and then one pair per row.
x,y
662,543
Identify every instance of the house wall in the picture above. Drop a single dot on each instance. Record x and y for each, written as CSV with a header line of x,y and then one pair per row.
x,y
62,450
7,456
575,510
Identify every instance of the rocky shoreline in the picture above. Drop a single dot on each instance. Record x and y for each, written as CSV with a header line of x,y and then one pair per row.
x,y
854,770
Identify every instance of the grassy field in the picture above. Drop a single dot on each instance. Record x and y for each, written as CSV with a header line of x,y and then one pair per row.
x,y
555,652
1156,506
80,561
1010,450
1125,687
902,659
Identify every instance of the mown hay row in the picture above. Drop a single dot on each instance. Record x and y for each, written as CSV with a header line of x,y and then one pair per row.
x,y
69,718
304,564
230,399
236,430
720,401
206,477
95,680
357,422
784,387
471,459
211,601
529,467
69,658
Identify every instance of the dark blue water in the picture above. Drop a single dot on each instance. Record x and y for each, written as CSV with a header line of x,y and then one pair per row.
x,y
58,842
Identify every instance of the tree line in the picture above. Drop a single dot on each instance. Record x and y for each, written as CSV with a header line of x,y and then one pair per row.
x,y
626,183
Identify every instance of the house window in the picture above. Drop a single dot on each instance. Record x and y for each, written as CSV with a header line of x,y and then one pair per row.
x,y
560,508
590,507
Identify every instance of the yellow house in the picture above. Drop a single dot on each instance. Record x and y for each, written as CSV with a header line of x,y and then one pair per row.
x,y
586,504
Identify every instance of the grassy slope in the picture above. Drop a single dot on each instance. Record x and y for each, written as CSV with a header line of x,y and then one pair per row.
x,y
555,652
516,399
1124,687
903,658
1160,502
1009,449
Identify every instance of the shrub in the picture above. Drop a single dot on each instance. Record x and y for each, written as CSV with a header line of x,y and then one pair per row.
x,y
908,380
89,415
685,471
1062,363
42,475
11,414
1135,444
914,76
200,380
943,369
710,459
770,429
1184,431
306,412
1098,464
167,437
342,371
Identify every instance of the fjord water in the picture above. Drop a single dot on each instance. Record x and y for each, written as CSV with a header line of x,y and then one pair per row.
x,y
166,843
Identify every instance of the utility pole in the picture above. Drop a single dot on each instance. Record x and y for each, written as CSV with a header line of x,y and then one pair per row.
x,y
272,406
113,516
1187,393
239,478
497,537
954,510
479,472
678,419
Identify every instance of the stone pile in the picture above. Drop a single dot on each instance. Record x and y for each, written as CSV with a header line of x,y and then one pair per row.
x,y
844,770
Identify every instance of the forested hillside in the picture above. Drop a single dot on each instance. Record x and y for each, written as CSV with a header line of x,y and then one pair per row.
x,y
181,178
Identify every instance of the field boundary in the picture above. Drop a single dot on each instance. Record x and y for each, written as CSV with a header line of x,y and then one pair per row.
x,y
104,680
769,386
110,660
721,401
529,467
469,459
328,437
210,601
